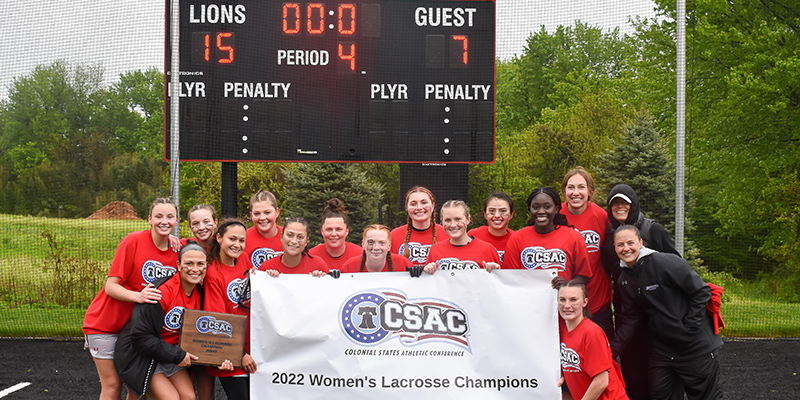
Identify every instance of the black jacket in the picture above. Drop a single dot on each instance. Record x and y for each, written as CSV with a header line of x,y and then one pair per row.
x,y
655,236
140,347
663,291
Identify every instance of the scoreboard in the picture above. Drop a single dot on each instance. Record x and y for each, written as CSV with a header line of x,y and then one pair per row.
x,y
331,81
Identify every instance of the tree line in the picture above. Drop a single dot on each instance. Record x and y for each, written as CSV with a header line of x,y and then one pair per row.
x,y
577,95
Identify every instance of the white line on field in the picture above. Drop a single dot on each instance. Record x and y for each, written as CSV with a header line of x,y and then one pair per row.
x,y
6,392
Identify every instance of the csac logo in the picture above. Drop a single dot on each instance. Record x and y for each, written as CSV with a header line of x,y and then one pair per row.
x,y
454,263
207,323
538,258
570,360
263,254
237,288
592,240
173,318
153,270
417,253
371,317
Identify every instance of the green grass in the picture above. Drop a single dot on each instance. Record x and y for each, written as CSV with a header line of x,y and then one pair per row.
x,y
30,289
39,322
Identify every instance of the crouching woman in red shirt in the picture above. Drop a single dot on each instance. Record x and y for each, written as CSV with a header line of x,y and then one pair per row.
x,y
147,356
586,362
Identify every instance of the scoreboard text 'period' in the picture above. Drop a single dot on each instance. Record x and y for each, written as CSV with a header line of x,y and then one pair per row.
x,y
371,81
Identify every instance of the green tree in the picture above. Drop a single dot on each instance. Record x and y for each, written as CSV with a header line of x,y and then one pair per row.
x,y
640,158
308,187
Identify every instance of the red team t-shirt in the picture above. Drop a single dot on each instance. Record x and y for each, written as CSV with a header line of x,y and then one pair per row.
x,y
419,243
258,248
399,263
306,266
137,263
225,286
584,354
562,249
351,250
592,226
174,300
469,256
499,242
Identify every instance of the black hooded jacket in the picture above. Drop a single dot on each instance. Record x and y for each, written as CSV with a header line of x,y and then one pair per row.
x,y
140,347
662,292
655,236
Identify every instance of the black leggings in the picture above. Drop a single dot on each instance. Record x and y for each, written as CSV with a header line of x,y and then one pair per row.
x,y
236,388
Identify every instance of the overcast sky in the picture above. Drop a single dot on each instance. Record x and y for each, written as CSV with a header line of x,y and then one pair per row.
x,y
125,35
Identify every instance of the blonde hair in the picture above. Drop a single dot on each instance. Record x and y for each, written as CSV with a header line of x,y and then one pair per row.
x,y
162,200
262,196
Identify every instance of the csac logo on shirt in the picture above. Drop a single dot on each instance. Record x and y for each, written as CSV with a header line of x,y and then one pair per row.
x,y
570,360
238,288
371,317
592,240
207,323
153,270
537,257
263,254
173,318
417,252
454,263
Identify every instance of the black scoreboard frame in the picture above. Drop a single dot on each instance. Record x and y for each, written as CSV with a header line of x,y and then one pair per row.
x,y
404,81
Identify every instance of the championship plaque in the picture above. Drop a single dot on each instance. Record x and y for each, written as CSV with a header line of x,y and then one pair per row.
x,y
213,337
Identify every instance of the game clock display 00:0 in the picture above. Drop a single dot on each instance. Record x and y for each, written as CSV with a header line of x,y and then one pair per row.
x,y
384,81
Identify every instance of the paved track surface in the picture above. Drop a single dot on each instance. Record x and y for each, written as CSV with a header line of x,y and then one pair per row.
x,y
751,369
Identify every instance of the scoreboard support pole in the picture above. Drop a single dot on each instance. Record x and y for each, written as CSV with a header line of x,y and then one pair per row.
x,y
230,188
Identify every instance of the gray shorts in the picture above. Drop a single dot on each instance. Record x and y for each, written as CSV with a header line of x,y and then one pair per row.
x,y
167,369
100,345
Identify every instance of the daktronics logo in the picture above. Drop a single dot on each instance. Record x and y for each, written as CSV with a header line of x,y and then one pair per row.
x,y
153,270
371,317
592,240
417,252
454,263
209,324
263,254
538,257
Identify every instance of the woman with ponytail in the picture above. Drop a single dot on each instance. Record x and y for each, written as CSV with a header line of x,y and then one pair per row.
x,y
295,258
335,226
377,255
548,242
414,239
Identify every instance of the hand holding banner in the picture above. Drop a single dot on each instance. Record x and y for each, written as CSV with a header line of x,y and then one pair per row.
x,y
456,335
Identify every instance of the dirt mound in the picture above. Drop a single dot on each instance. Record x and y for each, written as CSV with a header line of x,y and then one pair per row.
x,y
115,210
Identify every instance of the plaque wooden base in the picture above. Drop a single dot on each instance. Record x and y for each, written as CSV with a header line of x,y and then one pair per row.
x,y
213,337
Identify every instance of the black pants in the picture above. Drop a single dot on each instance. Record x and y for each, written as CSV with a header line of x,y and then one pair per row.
x,y
699,377
604,319
236,388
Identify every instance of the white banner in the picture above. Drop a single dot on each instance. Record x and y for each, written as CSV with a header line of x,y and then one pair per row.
x,y
452,335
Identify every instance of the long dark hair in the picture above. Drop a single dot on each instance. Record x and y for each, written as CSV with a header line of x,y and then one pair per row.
x,y
410,223
215,248
559,219
303,222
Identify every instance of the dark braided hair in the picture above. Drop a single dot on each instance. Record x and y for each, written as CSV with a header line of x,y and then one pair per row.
x,y
559,219
410,223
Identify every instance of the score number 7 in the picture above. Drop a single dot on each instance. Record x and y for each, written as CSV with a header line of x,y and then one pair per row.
x,y
465,45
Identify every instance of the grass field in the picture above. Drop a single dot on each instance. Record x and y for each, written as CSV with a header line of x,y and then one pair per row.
x,y
46,284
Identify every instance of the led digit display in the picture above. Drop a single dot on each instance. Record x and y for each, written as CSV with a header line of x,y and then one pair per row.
x,y
354,81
